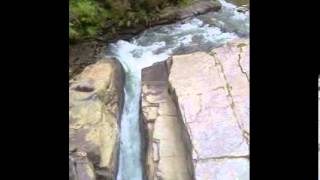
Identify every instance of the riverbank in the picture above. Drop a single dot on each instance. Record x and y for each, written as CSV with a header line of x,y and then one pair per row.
x,y
84,53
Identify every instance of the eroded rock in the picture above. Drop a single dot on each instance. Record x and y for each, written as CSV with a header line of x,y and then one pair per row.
x,y
172,14
95,104
167,143
203,110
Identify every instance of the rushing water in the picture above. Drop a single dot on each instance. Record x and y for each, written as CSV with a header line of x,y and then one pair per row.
x,y
157,44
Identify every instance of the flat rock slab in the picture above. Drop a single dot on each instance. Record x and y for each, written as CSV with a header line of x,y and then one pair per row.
x,y
223,169
212,91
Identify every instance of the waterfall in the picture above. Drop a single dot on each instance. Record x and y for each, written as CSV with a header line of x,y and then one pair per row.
x,y
157,44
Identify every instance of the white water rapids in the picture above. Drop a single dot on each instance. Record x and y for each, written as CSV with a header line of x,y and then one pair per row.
x,y
157,44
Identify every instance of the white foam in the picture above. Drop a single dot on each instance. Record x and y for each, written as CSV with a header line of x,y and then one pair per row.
x,y
154,45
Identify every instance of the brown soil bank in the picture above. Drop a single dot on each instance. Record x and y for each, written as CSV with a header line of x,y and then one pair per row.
x,y
87,52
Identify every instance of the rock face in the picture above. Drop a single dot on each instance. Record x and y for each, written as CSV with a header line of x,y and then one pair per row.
x,y
211,114
95,104
168,149
239,2
172,14
213,95
83,54
198,7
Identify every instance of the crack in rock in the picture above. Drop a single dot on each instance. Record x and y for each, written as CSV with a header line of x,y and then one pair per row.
x,y
195,151
219,65
246,136
222,157
239,64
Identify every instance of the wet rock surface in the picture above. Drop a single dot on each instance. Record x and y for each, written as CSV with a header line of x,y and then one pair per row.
x,y
88,52
95,105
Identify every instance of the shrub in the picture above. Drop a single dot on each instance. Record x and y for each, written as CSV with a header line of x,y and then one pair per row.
x,y
87,18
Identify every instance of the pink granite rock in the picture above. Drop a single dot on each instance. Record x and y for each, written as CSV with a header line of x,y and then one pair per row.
x,y
209,119
212,90
167,146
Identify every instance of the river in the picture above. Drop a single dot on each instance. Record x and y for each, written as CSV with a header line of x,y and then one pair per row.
x,y
157,44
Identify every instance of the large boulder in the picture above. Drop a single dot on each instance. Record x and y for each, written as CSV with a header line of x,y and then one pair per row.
x,y
175,13
198,7
167,145
212,91
95,104
198,105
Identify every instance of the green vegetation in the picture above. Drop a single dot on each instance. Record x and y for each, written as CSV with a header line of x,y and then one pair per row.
x,y
239,2
89,18
86,18
184,2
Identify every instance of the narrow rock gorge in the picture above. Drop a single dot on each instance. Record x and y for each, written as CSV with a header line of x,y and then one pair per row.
x,y
168,147
170,103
